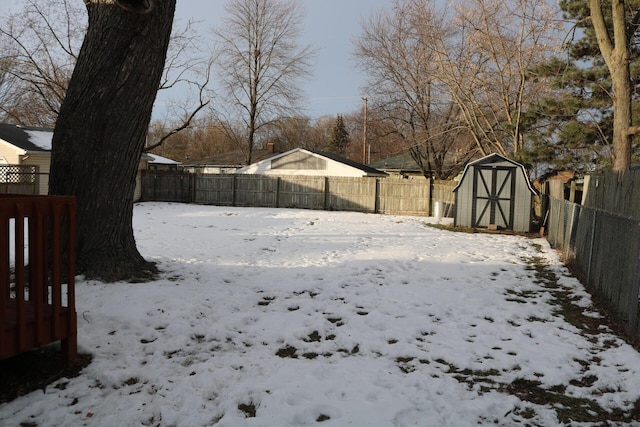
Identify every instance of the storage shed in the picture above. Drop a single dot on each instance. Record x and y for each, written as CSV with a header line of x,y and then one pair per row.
x,y
494,192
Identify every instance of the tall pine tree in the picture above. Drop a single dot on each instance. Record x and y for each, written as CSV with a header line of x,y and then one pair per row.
x,y
339,137
573,128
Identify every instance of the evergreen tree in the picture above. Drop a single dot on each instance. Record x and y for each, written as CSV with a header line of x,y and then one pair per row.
x,y
339,137
572,129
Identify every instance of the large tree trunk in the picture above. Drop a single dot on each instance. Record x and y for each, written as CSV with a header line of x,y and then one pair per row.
x,y
101,130
622,115
616,52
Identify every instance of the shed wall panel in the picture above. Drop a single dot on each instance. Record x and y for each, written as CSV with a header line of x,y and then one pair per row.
x,y
464,202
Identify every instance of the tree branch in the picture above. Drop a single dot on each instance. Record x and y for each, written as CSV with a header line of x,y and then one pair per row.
x,y
633,130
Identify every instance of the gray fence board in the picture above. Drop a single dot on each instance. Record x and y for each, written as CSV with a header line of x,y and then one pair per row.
x,y
214,189
352,194
606,249
304,192
167,187
402,196
614,192
256,190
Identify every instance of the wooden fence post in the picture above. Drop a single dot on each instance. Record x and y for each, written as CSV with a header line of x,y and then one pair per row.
x,y
326,193
192,187
376,201
593,239
155,187
233,191
568,232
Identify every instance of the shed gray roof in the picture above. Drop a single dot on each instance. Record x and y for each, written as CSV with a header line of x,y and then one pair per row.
x,y
494,158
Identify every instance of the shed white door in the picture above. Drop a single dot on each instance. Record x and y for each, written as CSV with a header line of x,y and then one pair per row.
x,y
493,193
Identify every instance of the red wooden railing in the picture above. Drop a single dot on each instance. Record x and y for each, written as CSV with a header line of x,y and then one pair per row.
x,y
37,269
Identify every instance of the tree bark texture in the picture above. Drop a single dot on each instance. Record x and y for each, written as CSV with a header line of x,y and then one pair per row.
x,y
101,130
616,53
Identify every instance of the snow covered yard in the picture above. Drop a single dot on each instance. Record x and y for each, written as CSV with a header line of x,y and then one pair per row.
x,y
268,317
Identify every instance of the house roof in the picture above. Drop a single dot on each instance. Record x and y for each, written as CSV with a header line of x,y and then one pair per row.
x,y
334,157
154,159
402,162
37,139
230,158
27,138
368,169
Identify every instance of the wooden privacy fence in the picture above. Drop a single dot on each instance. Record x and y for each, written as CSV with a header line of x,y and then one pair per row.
x,y
606,250
394,196
614,192
37,269
19,179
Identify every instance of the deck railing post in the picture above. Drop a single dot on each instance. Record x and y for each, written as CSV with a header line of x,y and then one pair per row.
x,y
37,279
70,344
4,279
21,318
33,310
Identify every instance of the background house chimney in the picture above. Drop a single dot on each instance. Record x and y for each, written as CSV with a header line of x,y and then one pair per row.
x,y
271,147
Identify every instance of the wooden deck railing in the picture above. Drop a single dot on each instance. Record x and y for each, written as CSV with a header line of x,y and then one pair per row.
x,y
37,269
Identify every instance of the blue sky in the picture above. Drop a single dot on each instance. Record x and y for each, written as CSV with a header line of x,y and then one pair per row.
x,y
330,26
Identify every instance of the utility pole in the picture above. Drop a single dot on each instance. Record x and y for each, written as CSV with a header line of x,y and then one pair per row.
x,y
364,133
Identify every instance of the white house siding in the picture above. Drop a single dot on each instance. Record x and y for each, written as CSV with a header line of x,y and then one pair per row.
x,y
301,163
43,162
9,154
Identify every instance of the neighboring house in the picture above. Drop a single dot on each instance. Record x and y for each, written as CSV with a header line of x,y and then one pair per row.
x,y
300,161
403,165
563,185
159,163
31,146
228,162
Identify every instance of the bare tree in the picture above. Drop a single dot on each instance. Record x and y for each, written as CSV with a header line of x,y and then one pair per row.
x,y
101,128
41,44
288,133
614,40
403,83
486,66
260,66
203,138
447,77
183,113
187,70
